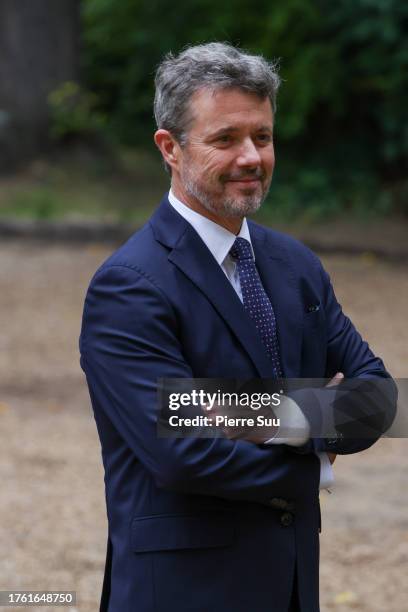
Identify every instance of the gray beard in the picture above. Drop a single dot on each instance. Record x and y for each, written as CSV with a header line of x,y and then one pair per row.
x,y
229,208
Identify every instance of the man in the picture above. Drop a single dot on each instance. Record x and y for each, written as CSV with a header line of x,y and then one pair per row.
x,y
200,292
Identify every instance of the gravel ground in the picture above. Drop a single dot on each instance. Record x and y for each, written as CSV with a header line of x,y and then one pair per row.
x,y
53,524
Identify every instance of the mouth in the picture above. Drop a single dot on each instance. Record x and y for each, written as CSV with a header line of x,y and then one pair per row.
x,y
247,182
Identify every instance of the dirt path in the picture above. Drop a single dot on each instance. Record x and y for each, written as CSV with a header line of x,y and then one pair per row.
x,y
53,526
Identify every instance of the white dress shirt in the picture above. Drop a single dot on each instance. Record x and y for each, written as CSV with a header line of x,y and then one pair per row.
x,y
219,241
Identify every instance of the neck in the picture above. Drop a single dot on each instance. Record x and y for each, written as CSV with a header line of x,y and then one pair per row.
x,y
232,224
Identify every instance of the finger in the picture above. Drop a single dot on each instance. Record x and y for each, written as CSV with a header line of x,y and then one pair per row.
x,y
337,378
210,409
332,457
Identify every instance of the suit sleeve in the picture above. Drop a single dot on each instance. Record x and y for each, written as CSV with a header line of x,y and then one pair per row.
x,y
359,410
129,340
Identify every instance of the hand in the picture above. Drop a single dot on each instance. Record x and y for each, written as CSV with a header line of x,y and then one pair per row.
x,y
336,380
239,428
332,457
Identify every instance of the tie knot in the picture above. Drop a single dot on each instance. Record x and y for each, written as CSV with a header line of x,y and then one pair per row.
x,y
241,249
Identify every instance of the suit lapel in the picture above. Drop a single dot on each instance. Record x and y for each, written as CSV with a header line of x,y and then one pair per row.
x,y
192,257
278,279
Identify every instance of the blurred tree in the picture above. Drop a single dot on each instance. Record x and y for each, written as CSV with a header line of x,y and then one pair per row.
x,y
344,101
39,50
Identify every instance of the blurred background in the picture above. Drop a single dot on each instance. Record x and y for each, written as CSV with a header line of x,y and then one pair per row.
x,y
79,173
76,90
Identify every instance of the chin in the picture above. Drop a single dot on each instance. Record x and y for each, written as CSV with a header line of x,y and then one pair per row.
x,y
241,207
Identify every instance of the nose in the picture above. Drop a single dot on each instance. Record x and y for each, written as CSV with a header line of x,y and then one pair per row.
x,y
249,155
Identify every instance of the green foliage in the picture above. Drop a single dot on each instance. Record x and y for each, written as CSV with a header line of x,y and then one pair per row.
x,y
342,125
77,187
73,112
39,203
313,195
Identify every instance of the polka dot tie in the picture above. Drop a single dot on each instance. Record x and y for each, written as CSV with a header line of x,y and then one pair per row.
x,y
256,302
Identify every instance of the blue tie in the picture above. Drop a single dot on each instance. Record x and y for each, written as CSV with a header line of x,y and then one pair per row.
x,y
256,302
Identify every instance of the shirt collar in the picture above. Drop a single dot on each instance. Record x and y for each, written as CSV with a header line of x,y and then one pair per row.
x,y
216,238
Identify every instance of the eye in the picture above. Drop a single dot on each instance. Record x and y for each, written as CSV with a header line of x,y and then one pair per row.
x,y
264,138
224,139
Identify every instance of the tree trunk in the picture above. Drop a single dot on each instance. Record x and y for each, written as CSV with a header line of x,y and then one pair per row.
x,y
39,50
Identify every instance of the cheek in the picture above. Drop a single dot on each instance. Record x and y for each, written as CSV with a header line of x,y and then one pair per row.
x,y
214,163
269,160
211,163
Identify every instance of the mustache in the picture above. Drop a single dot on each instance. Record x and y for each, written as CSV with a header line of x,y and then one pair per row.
x,y
242,176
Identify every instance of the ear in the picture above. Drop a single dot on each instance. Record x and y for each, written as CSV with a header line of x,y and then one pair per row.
x,y
169,147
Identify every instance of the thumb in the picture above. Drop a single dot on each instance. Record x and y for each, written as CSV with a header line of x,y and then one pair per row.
x,y
336,380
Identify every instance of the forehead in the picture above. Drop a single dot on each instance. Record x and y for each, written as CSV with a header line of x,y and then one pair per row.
x,y
215,109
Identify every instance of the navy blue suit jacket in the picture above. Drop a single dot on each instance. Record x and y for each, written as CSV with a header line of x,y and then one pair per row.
x,y
191,523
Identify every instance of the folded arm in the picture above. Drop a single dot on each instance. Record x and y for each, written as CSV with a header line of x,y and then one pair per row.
x,y
129,340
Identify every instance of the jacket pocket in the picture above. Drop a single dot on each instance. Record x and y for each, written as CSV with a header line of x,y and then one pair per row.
x,y
175,532
314,318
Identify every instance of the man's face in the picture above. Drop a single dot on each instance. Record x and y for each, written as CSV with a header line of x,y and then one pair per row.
x,y
227,163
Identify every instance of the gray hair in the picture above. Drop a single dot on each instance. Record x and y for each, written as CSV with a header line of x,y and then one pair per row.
x,y
213,65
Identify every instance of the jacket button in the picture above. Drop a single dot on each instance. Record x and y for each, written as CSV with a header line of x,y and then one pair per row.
x,y
277,503
286,519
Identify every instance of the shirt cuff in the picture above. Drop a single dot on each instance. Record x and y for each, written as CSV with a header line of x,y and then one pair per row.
x,y
326,471
294,428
